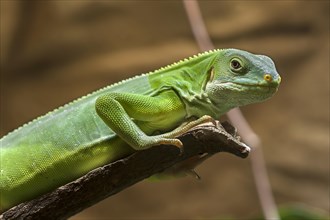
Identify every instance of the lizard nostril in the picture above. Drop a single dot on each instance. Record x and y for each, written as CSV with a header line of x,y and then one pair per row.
x,y
268,77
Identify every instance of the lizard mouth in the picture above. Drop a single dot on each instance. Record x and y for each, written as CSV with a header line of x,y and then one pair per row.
x,y
269,88
263,86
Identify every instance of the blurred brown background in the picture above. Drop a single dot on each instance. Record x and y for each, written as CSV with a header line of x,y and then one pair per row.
x,y
55,51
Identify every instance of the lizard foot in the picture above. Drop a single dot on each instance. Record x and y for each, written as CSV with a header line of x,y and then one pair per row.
x,y
169,137
188,125
150,141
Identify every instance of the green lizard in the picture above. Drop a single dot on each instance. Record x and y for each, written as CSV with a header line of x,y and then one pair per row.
x,y
134,114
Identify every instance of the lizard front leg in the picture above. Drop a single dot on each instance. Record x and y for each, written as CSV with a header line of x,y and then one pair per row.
x,y
131,116
121,112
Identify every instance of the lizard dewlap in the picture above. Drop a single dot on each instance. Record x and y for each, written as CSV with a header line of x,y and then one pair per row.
x,y
119,119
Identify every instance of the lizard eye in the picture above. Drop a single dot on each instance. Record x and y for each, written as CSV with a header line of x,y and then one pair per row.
x,y
235,64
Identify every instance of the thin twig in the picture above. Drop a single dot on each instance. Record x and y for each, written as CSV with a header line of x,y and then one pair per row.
x,y
236,117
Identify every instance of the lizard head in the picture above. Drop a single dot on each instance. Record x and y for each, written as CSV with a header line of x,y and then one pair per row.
x,y
239,78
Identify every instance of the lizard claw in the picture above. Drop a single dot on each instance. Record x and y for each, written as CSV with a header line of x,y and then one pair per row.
x,y
203,120
172,141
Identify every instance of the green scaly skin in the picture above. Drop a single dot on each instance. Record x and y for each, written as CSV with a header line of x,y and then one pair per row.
x,y
117,120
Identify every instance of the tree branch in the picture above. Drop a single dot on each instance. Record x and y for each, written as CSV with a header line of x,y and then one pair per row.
x,y
110,179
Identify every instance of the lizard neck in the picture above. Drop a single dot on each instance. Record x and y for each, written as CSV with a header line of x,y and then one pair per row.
x,y
200,104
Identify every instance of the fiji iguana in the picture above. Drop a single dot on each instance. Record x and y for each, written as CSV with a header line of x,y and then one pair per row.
x,y
135,114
